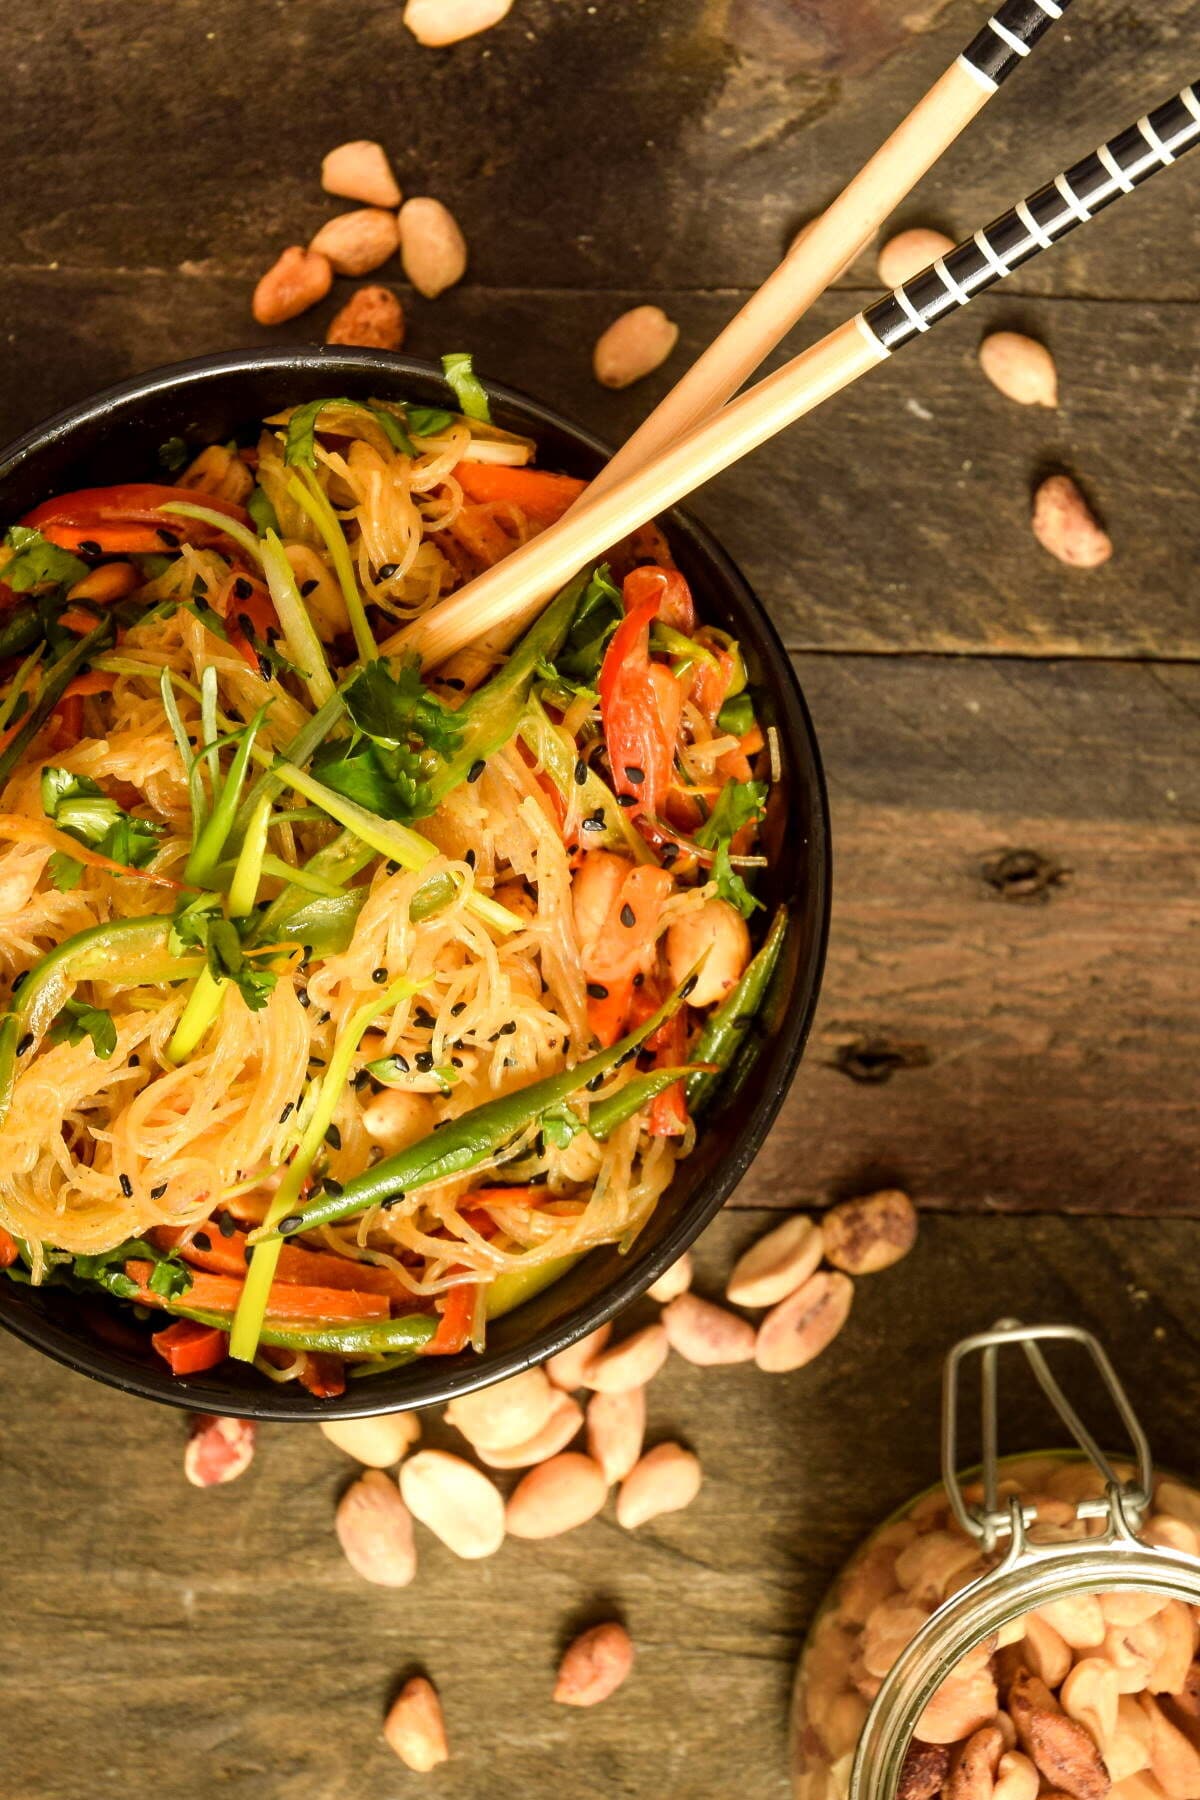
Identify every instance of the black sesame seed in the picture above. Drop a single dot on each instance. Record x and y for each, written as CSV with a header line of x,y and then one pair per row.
x,y
595,1082
392,1200
287,1111
688,985
362,1079
126,1186
594,823
387,570
460,1006
202,1241
627,800
638,979
634,774
226,1225
597,990
242,589
379,976
331,1186
400,1062
454,681
89,547
457,1061
539,1179
424,1061
566,1046
628,916
20,980
507,1029
170,538
572,849
25,1044
307,588
581,772
235,715
135,1061
393,867
469,859
670,854
423,1019
476,769
273,634
292,1222
250,1249
333,1137
302,997
156,1193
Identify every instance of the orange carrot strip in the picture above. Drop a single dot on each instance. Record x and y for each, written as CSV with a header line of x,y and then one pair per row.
x,y
539,494
220,1293
8,1249
297,1267
19,830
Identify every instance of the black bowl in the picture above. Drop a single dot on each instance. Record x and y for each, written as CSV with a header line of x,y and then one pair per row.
x,y
115,437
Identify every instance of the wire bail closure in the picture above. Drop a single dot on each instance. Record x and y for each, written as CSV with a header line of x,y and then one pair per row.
x,y
1124,1503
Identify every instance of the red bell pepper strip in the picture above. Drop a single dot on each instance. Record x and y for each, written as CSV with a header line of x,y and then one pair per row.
x,y
126,518
639,714
8,1249
322,1374
220,1294
457,1307
189,1347
669,588
296,1266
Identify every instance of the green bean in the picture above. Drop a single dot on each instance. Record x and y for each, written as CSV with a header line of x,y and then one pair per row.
x,y
605,1116
725,1029
375,1337
54,683
20,632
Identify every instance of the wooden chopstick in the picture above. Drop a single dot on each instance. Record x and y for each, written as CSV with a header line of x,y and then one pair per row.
x,y
507,591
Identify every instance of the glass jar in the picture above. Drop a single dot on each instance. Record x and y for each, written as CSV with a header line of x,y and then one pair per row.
x,y
1027,1628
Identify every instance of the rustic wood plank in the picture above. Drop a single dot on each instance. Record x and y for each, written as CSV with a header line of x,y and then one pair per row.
x,y
1026,1041
896,519
218,1642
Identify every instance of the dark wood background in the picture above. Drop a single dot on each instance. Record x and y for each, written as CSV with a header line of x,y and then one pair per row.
x,y
1003,1034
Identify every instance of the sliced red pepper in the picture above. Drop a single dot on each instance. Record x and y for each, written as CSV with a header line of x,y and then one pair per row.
x,y
457,1307
323,1375
189,1347
608,1012
639,738
127,518
68,722
538,493
8,1249
669,588
668,1045
240,609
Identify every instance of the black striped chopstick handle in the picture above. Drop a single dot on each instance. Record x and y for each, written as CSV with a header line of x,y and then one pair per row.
x,y
1008,37
1034,224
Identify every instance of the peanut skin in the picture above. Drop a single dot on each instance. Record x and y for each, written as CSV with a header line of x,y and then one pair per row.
x,y
290,286
415,1728
372,317
594,1666
1065,525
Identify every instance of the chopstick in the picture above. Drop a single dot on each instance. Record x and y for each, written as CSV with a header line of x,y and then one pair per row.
x,y
504,592
846,225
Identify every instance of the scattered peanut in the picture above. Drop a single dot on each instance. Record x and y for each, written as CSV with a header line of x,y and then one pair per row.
x,y
908,252
631,1363
357,242
372,318
673,1281
566,1370
665,1480
800,1327
510,1412
432,248
961,1705
871,1233
375,1531
562,1424
415,1728
1090,1696
290,286
1020,367
633,346
594,1666
456,1500
777,1264
616,1425
361,171
218,1450
1065,525
377,1442
436,23
706,1334
556,1496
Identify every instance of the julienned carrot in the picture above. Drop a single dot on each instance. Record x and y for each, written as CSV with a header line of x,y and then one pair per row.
x,y
20,830
454,1327
190,1347
607,1012
221,1293
297,1267
323,1375
539,495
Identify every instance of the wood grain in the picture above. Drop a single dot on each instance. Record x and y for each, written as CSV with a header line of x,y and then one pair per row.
x,y
157,1640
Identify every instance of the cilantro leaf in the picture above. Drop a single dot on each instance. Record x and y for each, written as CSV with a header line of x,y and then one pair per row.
x,y
169,1278
428,421
77,1021
173,454
387,780
468,389
36,561
596,618
737,714
738,803
300,446
226,962
395,709
85,812
65,873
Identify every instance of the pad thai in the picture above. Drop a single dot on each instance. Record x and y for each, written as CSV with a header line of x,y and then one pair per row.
x,y
346,1004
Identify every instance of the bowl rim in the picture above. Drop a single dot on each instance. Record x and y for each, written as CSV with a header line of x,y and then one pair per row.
x,y
452,1378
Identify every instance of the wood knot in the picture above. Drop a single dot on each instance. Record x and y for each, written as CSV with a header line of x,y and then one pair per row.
x,y
1024,876
873,1060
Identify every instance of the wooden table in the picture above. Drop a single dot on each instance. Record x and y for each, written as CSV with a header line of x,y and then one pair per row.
x,y
1012,1004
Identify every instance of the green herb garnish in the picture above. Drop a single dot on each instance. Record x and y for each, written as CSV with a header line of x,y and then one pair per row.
x,y
468,389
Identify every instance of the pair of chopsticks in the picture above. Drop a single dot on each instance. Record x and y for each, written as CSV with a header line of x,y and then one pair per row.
x,y
698,430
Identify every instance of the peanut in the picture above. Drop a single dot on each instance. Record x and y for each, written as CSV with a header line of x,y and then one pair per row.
x,y
869,1580
1065,525
218,1450
377,1442
357,242
415,1728
291,285
566,1370
1127,1751
360,171
375,1531
1016,1778
432,248
1172,1534
892,1626
508,1413
673,1281
436,23
777,1264
556,1496
706,1334
1176,1624
800,1327
973,1774
631,1363
1048,1654
633,346
1021,368
393,1118
457,1502
961,1705
925,1567
372,318
563,1423
908,252
616,1425
1089,1695
1077,1619
1133,1651
665,1480
1174,1761
594,1666
865,1235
